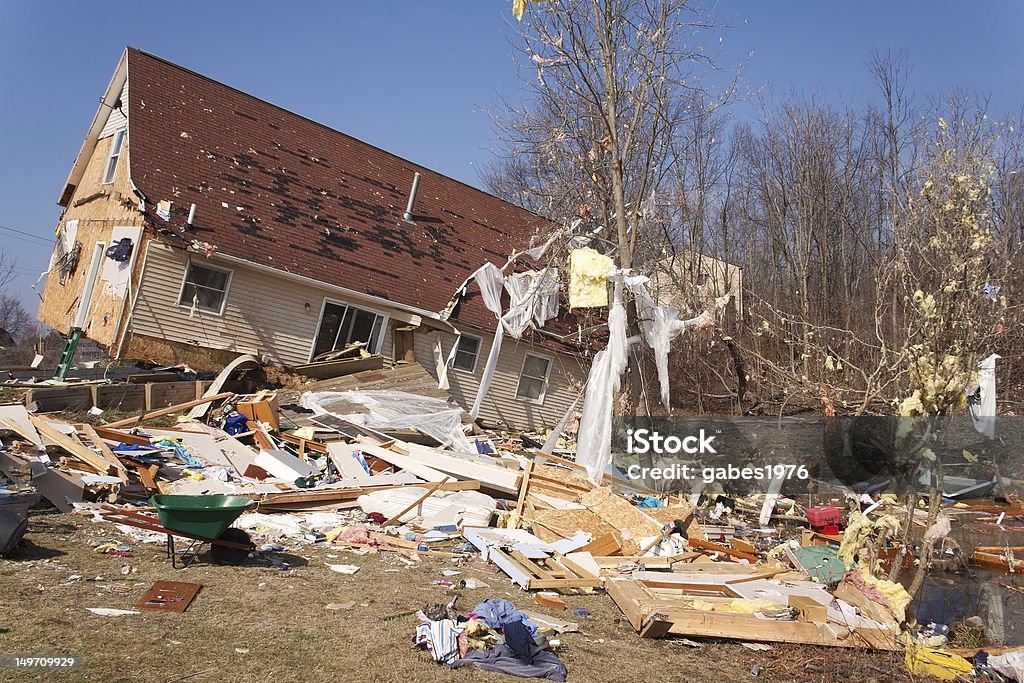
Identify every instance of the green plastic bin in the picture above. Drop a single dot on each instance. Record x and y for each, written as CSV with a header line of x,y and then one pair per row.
x,y
203,516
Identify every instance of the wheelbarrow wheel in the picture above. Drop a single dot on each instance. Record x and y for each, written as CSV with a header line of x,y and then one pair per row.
x,y
223,554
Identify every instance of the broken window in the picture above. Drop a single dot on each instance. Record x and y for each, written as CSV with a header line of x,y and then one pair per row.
x,y
466,353
115,154
533,379
341,324
205,288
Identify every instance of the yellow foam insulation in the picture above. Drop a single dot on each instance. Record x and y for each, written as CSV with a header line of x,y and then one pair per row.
x,y
895,593
588,278
859,528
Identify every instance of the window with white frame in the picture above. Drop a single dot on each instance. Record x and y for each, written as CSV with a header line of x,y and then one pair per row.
x,y
115,153
342,324
466,353
205,288
533,378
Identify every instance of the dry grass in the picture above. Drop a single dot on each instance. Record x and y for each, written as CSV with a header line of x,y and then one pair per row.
x,y
280,617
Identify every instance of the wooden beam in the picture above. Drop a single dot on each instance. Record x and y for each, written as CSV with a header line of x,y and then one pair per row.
x,y
123,437
98,442
716,548
76,449
416,502
170,410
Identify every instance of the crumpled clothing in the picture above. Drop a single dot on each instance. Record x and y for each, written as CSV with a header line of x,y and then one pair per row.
x,y
498,613
543,664
650,502
440,638
180,451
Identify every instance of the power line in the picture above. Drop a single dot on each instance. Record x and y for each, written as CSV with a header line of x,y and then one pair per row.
x,y
37,238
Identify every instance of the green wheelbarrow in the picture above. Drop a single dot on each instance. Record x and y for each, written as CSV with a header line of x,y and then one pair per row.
x,y
202,519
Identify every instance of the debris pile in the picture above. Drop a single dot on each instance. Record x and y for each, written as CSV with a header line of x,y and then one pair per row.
x,y
254,475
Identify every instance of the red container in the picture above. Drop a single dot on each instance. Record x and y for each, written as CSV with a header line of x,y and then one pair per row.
x,y
823,516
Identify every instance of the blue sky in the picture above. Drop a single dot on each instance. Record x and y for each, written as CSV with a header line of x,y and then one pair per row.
x,y
418,78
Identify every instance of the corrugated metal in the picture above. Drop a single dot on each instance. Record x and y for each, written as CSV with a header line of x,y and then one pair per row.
x,y
116,120
263,314
501,405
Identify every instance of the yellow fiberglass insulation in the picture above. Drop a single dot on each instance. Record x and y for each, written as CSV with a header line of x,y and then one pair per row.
x,y
859,528
588,278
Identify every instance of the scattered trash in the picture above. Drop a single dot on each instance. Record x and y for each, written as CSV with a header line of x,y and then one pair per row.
x,y
111,612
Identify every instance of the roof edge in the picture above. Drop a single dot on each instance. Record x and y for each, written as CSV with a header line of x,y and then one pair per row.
x,y
107,102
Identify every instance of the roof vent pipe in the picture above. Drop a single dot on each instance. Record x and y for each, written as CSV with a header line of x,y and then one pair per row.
x,y
412,199
191,216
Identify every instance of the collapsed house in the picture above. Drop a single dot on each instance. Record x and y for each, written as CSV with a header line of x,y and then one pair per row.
x,y
201,223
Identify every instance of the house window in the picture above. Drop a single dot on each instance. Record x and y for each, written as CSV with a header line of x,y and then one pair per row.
x,y
205,288
466,353
341,325
533,378
115,154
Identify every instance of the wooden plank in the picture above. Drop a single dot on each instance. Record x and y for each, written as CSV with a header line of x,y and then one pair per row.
x,y
168,596
576,568
308,444
76,449
122,437
30,435
604,545
524,486
94,438
715,547
199,409
404,462
341,455
170,410
564,583
495,477
416,502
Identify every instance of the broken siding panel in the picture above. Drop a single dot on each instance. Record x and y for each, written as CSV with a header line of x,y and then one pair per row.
x,y
263,314
501,406
116,119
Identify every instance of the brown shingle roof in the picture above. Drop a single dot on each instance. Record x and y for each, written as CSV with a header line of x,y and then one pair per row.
x,y
289,193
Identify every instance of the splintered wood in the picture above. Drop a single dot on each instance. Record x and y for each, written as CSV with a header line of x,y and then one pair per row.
x,y
628,520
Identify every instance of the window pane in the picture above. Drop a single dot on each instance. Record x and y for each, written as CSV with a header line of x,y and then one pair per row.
x,y
535,366
466,353
530,388
360,329
464,361
205,287
328,329
206,277
115,148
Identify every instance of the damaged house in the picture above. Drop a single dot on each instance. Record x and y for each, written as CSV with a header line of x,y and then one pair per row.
x,y
201,223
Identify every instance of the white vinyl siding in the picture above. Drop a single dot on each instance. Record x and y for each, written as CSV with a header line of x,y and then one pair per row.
x,y
500,407
116,119
263,314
